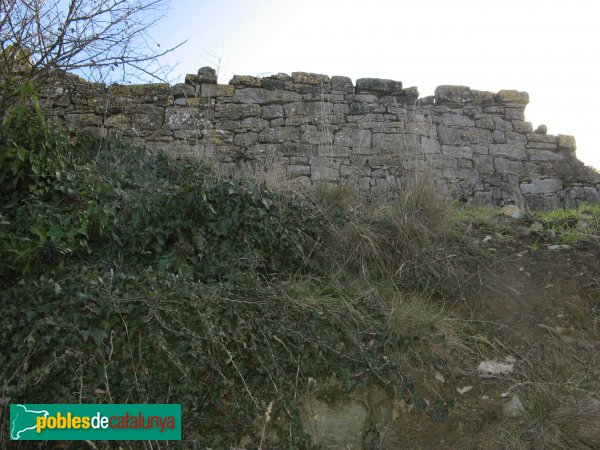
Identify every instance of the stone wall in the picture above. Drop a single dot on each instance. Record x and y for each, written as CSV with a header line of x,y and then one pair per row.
x,y
371,136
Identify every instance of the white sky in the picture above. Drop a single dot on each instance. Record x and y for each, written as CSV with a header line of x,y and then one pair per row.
x,y
550,49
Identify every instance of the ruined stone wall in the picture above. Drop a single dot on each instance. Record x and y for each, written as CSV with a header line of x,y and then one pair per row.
x,y
371,136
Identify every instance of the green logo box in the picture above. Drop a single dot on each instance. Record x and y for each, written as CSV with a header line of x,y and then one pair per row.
x,y
91,422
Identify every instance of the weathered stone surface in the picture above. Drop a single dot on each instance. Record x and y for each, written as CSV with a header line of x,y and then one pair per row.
x,y
542,186
265,96
183,90
455,120
486,122
457,152
295,170
545,155
207,75
310,78
272,111
279,135
513,151
520,126
447,94
338,426
503,165
235,111
510,97
342,84
483,97
566,143
353,138
246,80
378,85
183,118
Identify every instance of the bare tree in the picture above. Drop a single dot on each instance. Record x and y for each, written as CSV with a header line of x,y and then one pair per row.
x,y
103,40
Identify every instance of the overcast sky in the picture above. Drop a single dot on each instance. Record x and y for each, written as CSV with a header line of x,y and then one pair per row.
x,y
550,49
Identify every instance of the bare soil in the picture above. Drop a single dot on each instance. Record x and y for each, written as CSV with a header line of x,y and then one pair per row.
x,y
542,308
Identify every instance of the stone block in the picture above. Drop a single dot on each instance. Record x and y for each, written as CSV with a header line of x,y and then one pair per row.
x,y
542,186
453,95
254,124
544,155
483,163
246,80
430,145
457,151
207,75
245,139
521,126
486,122
378,86
503,165
272,111
183,118
265,96
513,151
511,97
455,120
209,90
352,137
566,143
324,174
235,111
342,84
310,78
279,135
502,125
294,170
546,138
592,195
483,97
183,90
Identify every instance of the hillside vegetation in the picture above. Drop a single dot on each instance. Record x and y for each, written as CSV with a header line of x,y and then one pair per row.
x,y
129,277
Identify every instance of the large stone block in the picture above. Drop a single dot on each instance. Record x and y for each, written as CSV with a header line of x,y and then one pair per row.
x,y
513,151
508,166
310,78
183,118
342,84
447,94
378,86
455,120
457,151
542,186
511,97
352,137
566,143
265,96
324,174
279,135
235,111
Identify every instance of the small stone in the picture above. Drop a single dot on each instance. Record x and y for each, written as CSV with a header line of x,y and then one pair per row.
x,y
495,368
536,226
558,247
464,390
439,377
513,211
513,408
542,129
207,75
582,225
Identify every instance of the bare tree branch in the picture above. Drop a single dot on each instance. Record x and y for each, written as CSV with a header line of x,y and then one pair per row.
x,y
102,40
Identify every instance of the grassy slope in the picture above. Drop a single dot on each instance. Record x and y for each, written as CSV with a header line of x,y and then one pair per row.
x,y
128,277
